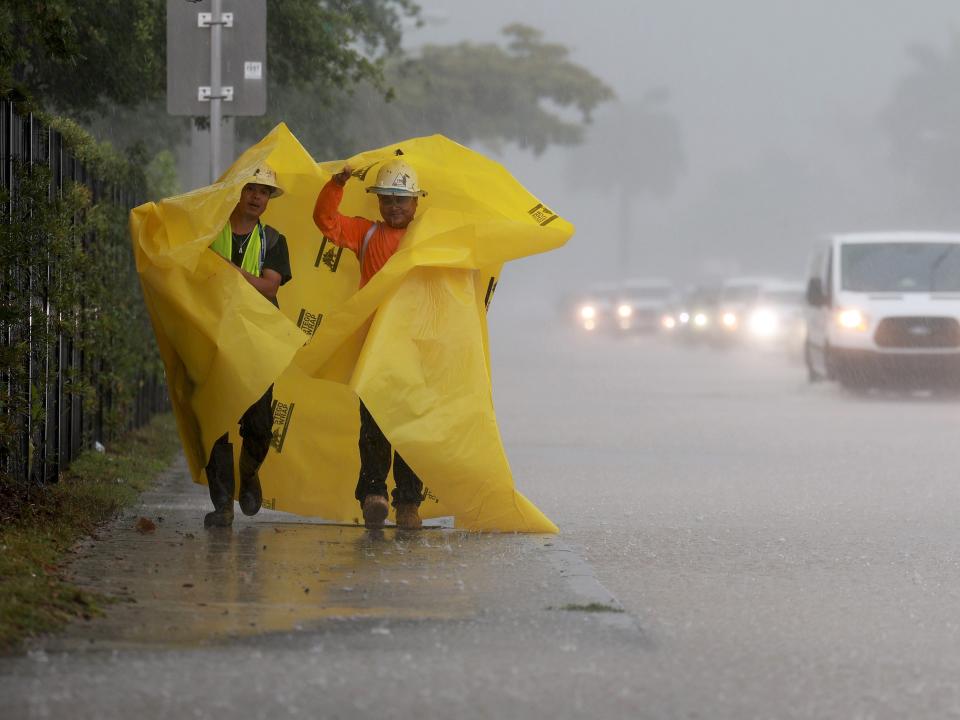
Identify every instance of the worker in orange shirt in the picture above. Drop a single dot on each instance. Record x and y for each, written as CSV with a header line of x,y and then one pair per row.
x,y
397,189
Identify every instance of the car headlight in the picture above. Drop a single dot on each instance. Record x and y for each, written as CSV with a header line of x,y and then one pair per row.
x,y
851,319
764,323
624,310
668,322
729,320
684,318
700,320
588,312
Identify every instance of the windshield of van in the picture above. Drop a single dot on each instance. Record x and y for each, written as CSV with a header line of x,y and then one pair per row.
x,y
901,267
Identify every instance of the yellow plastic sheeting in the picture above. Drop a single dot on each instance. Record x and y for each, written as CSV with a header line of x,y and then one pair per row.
x,y
413,343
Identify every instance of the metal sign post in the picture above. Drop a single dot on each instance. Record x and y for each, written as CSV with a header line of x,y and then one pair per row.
x,y
216,28
216,62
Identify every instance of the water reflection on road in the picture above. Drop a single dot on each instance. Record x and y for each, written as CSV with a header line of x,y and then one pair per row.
x,y
189,585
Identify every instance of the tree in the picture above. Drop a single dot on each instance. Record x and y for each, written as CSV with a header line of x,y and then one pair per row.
x,y
75,57
335,42
85,57
470,92
316,49
336,75
637,151
922,122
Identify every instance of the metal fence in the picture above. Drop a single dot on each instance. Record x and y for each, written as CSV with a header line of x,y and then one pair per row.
x,y
58,424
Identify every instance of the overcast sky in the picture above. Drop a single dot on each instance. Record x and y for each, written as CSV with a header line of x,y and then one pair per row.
x,y
778,103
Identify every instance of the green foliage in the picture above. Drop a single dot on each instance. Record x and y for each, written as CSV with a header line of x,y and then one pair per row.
x,y
528,92
37,531
100,158
31,31
79,55
334,43
593,607
161,175
67,280
319,52
116,332
86,58
35,234
145,128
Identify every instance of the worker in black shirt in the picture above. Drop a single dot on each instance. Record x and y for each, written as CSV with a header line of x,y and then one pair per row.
x,y
259,253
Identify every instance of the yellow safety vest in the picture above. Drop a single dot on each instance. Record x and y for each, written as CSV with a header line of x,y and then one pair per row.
x,y
253,253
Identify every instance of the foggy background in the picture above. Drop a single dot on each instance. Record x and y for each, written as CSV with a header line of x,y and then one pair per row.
x,y
781,108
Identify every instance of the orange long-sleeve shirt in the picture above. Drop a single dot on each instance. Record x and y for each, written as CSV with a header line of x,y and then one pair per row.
x,y
348,232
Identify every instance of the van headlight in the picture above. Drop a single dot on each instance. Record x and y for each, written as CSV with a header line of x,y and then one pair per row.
x,y
764,323
851,319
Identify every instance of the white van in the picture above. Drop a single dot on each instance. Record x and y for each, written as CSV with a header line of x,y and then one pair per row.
x,y
884,309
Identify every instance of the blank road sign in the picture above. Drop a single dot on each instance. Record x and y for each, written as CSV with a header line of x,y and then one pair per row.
x,y
243,57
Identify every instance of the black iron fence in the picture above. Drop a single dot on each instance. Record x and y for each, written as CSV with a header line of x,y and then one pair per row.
x,y
78,363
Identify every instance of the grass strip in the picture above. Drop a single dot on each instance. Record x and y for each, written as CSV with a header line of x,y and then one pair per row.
x,y
48,521
592,607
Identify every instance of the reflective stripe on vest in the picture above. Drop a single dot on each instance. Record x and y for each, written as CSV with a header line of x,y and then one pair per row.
x,y
366,241
253,253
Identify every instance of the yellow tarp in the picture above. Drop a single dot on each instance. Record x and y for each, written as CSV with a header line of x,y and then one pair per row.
x,y
412,343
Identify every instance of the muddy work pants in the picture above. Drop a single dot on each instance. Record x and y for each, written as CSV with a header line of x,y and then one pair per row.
x,y
375,452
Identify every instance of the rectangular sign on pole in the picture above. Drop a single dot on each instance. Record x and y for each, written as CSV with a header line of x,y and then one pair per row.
x,y
244,57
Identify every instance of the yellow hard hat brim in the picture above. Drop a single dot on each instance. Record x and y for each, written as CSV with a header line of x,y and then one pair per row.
x,y
394,191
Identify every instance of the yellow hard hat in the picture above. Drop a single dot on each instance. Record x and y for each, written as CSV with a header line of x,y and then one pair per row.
x,y
263,174
397,178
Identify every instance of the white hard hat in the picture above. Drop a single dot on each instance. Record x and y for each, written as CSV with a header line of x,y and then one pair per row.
x,y
397,178
263,174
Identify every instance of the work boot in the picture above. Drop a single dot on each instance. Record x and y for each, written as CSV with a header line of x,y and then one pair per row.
x,y
408,516
220,482
375,509
251,496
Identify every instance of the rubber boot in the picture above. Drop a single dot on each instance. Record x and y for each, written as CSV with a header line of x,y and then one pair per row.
x,y
220,482
251,496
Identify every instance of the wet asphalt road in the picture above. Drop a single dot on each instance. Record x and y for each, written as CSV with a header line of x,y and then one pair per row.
x,y
779,550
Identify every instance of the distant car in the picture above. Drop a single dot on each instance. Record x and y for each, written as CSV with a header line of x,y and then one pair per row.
x,y
884,309
692,317
738,297
777,319
641,303
593,308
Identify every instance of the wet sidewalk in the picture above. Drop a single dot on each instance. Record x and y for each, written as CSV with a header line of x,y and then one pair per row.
x,y
278,599
181,583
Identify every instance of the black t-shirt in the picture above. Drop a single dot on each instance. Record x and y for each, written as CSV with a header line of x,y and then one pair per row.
x,y
276,257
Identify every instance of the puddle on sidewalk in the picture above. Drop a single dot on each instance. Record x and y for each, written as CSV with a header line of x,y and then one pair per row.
x,y
179,586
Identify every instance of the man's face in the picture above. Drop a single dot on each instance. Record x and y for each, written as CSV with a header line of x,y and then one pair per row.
x,y
397,210
254,198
